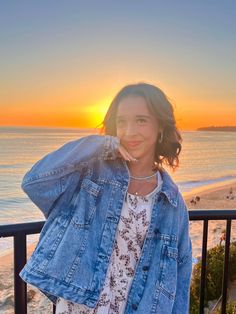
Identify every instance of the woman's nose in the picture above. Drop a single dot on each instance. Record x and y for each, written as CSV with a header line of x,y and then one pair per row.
x,y
130,129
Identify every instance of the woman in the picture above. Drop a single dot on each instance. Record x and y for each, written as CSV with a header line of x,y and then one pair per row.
x,y
116,237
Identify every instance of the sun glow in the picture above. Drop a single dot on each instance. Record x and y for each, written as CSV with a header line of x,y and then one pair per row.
x,y
98,111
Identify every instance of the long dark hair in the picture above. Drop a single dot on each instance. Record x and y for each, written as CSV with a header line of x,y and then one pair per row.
x,y
167,152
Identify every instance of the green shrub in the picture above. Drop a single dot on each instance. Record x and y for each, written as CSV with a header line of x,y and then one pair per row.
x,y
230,308
214,275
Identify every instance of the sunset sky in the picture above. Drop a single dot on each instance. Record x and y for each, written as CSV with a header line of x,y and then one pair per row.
x,y
62,62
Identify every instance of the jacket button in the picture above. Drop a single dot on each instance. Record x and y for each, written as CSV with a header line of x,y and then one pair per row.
x,y
134,306
156,231
146,267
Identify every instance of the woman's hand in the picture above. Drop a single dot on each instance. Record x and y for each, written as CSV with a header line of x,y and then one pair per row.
x,y
125,154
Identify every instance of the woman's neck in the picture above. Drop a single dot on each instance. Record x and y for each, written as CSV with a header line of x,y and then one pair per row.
x,y
141,167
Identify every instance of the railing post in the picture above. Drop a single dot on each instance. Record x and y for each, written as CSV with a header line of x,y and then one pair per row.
x,y
203,267
226,267
20,287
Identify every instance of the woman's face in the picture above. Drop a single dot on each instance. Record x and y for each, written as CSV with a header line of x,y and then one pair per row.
x,y
136,127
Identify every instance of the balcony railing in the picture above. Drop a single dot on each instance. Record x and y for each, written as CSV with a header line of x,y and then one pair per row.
x,y
20,231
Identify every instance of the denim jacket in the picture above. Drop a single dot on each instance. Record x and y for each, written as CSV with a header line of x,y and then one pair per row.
x,y
80,189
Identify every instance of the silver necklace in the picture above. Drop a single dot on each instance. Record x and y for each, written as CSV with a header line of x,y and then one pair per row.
x,y
143,178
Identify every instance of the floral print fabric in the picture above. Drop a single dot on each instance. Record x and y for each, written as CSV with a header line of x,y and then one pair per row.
x,y
132,227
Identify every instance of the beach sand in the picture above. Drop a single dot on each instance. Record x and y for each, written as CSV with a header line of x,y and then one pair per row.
x,y
214,197
37,303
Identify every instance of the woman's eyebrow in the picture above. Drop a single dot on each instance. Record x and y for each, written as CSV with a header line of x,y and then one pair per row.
x,y
137,116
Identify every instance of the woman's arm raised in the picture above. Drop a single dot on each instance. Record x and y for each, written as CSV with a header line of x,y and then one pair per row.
x,y
49,177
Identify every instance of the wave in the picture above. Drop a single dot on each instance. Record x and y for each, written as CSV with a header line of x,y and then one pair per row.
x,y
186,186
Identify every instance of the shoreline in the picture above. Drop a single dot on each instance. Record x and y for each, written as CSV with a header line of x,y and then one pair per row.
x,y
217,196
213,187
213,196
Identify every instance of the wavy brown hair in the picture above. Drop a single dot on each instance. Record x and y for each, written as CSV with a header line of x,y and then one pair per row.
x,y
167,152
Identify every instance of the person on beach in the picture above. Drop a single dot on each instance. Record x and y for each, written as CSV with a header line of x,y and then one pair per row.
x,y
116,236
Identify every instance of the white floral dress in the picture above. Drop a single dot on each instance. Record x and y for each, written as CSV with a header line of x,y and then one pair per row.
x,y
133,224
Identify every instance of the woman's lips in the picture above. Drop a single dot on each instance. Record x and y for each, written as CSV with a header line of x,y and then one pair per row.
x,y
133,144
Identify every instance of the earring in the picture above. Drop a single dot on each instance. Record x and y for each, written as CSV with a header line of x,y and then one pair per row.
x,y
160,137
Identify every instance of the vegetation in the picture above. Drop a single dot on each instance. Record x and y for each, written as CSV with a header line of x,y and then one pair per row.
x,y
230,308
214,276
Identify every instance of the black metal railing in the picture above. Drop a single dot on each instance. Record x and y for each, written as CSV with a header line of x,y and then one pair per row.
x,y
205,215
20,231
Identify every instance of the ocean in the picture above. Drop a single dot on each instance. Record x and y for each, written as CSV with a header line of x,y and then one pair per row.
x,y
207,158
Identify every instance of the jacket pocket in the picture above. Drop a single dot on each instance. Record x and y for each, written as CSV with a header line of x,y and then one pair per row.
x,y
168,270
85,204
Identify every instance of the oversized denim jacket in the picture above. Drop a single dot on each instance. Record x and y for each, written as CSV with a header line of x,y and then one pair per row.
x,y
80,189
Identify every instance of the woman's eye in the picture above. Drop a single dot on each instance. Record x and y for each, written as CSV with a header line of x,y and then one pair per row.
x,y
120,122
142,121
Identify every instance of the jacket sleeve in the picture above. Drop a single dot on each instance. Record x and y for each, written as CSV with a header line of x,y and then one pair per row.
x,y
50,176
184,269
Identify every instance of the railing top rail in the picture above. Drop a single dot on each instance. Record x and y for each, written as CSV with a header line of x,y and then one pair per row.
x,y
212,214
194,214
10,230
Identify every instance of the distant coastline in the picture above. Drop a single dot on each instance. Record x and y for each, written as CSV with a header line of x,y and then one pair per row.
x,y
218,128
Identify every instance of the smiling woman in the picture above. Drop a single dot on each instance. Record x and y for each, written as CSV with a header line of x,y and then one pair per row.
x,y
142,112
116,236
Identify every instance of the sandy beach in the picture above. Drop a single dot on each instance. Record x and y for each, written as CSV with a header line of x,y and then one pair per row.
x,y
218,196
37,302
215,196
221,196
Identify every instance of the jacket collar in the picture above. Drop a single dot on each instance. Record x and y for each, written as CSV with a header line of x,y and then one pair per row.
x,y
169,187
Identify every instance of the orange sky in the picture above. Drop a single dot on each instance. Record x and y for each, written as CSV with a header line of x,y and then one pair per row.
x,y
82,107
62,68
